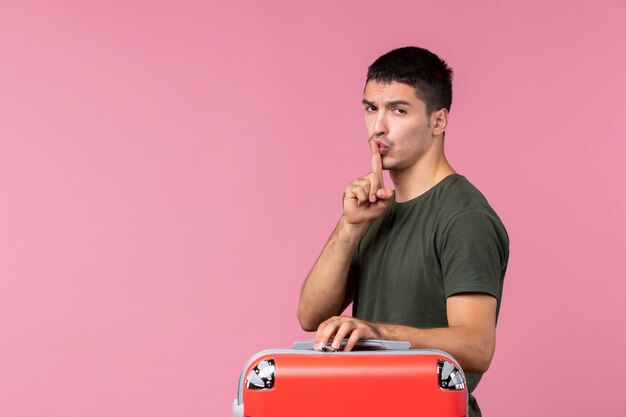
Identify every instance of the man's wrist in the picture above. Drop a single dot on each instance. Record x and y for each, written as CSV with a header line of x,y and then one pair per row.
x,y
350,231
388,331
381,331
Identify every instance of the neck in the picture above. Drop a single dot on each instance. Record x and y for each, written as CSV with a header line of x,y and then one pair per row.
x,y
414,181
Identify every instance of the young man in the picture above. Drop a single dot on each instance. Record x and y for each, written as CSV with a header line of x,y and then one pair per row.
x,y
422,263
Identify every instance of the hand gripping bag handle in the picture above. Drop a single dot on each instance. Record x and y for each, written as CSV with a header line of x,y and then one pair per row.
x,y
365,344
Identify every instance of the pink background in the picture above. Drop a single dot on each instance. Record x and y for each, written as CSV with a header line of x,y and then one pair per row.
x,y
169,171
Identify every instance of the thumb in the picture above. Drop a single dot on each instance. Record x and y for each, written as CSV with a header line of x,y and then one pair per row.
x,y
384,193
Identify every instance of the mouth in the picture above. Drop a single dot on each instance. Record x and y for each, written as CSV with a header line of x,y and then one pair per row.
x,y
382,147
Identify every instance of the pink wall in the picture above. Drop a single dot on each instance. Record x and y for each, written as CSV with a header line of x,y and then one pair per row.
x,y
170,170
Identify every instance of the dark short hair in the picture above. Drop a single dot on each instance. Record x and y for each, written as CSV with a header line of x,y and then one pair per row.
x,y
428,74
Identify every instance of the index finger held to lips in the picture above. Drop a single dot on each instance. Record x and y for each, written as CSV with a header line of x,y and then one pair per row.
x,y
377,162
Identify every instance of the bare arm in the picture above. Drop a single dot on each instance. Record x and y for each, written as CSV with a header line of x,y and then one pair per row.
x,y
328,289
470,337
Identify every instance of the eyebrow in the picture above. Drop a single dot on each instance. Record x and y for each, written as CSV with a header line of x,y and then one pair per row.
x,y
388,103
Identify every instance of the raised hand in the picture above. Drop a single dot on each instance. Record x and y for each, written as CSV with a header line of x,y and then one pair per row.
x,y
365,199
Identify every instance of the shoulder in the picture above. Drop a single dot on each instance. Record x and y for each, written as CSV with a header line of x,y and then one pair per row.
x,y
456,195
462,206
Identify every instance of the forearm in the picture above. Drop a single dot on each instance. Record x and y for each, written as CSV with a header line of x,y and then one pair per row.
x,y
473,349
323,293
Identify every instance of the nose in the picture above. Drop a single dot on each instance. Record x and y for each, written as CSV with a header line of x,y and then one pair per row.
x,y
380,124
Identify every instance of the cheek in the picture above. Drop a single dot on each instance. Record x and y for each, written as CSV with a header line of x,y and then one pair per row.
x,y
410,139
408,133
417,132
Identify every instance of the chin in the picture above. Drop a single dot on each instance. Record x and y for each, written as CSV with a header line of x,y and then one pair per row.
x,y
388,165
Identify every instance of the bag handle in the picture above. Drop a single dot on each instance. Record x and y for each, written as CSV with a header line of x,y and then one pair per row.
x,y
365,344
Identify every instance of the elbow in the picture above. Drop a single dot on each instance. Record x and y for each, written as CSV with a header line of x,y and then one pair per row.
x,y
481,366
307,327
477,355
307,322
482,358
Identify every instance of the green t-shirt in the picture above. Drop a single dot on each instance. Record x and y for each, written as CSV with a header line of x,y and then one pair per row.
x,y
420,252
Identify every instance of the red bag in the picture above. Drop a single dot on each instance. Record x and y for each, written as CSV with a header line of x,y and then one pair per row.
x,y
377,379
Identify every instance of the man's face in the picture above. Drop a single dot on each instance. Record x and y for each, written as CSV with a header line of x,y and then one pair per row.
x,y
397,121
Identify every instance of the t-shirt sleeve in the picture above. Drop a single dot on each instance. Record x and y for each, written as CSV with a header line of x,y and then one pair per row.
x,y
473,254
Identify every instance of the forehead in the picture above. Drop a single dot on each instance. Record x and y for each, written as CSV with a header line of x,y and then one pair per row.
x,y
380,92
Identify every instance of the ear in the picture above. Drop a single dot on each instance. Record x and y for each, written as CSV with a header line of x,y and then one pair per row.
x,y
439,121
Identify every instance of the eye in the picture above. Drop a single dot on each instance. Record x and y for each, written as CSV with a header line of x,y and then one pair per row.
x,y
399,110
370,108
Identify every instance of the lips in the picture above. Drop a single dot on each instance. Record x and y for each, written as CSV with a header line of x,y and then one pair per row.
x,y
382,147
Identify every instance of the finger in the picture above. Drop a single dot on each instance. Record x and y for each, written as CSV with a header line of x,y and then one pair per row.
x,y
363,183
360,189
319,340
384,193
355,336
326,333
341,334
360,195
377,162
375,186
377,169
